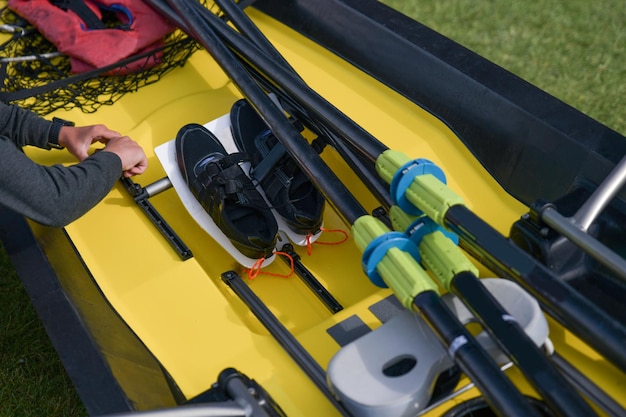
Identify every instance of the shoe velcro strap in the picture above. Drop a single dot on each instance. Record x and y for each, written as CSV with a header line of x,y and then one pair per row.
x,y
276,184
271,158
207,191
233,159
281,179
234,182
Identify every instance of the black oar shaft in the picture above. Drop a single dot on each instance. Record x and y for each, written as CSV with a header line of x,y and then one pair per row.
x,y
297,352
308,160
350,131
529,358
498,390
576,313
247,28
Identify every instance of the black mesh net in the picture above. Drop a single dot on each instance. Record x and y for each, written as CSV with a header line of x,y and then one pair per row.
x,y
36,77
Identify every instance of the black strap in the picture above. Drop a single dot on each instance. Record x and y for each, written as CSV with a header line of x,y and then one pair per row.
x,y
270,159
92,21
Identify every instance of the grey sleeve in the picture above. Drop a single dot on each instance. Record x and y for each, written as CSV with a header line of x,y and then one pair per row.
x,y
55,195
23,127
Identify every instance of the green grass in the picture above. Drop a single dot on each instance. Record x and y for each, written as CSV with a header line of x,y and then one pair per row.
x,y
574,49
33,382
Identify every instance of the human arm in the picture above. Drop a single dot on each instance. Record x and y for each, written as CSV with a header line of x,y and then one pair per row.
x,y
54,195
23,127
57,195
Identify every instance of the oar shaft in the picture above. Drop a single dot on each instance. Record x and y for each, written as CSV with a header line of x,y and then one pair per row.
x,y
533,363
309,161
498,390
575,312
350,131
297,352
246,27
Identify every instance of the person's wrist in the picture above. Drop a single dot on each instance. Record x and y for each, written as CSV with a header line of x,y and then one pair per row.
x,y
54,132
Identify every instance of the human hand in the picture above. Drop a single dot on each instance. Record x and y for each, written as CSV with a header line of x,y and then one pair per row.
x,y
78,140
134,161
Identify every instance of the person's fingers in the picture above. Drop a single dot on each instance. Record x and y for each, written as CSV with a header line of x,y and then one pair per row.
x,y
140,168
101,133
134,171
134,160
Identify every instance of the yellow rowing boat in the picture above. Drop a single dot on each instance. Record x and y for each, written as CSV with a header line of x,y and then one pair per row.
x,y
147,322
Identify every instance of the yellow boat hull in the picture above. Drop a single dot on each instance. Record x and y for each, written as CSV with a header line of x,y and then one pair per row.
x,y
175,324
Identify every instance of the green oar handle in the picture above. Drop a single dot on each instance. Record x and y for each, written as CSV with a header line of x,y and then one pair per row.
x,y
389,162
438,252
443,258
424,191
389,260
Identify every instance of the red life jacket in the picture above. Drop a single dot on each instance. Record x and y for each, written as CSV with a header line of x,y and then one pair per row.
x,y
76,28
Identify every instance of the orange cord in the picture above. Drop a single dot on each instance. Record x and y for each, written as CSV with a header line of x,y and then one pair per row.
x,y
309,244
255,270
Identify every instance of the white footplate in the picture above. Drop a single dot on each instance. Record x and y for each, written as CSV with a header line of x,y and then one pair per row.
x,y
166,153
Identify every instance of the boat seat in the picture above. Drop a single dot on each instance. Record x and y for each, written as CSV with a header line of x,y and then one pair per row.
x,y
391,371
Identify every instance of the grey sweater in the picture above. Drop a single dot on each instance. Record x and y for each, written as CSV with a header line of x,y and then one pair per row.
x,y
52,195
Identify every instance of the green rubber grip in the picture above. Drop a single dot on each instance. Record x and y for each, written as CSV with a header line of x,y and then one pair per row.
x,y
365,229
426,192
432,196
389,162
443,258
398,269
404,276
400,219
